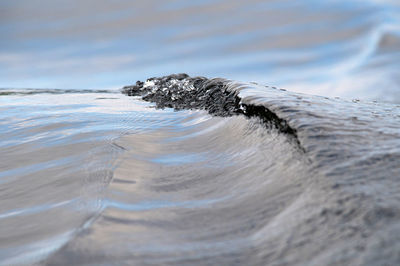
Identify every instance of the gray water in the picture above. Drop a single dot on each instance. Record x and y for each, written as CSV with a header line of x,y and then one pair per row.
x,y
345,48
90,176
100,178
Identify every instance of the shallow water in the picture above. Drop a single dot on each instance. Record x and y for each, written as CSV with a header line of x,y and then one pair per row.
x,y
103,178
58,155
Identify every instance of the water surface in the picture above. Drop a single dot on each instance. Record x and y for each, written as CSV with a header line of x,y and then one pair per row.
x,y
103,178
91,176
333,48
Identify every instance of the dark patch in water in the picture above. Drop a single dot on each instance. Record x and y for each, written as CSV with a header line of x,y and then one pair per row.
x,y
106,98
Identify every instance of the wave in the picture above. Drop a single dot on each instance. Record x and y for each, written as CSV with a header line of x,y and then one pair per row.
x,y
182,92
215,171
343,182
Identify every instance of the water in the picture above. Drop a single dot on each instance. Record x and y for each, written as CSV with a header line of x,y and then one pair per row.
x,y
91,176
101,177
104,178
334,48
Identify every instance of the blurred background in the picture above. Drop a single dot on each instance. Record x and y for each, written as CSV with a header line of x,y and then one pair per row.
x,y
345,48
